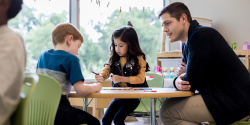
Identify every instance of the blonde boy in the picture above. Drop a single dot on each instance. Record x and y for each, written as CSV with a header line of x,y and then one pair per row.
x,y
62,64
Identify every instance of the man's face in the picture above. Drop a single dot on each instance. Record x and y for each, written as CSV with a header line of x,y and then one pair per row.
x,y
173,28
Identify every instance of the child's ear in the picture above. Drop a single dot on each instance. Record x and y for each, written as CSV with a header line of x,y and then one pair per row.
x,y
69,39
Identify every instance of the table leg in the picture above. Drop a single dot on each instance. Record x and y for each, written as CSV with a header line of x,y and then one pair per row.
x,y
85,104
153,120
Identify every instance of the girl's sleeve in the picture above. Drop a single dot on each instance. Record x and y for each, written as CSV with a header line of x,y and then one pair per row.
x,y
140,78
105,72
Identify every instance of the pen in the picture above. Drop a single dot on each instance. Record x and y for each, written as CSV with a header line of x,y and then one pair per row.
x,y
95,73
150,91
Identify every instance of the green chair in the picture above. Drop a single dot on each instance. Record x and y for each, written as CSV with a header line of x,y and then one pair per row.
x,y
40,105
19,115
158,82
236,123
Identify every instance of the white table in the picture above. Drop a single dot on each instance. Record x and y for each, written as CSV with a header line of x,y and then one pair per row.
x,y
128,94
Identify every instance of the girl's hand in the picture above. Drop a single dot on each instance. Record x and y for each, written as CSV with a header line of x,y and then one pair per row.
x,y
116,78
98,78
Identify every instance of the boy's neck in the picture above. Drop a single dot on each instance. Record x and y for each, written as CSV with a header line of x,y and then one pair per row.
x,y
61,47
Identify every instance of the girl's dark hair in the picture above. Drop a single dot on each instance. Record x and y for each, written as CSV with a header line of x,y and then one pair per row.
x,y
128,35
14,9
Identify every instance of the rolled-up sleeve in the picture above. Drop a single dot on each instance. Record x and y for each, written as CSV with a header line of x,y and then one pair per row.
x,y
105,72
140,77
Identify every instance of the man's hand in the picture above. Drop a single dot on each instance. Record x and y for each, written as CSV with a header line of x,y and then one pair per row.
x,y
182,85
181,69
116,78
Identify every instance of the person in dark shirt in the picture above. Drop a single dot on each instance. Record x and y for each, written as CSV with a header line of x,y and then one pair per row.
x,y
212,68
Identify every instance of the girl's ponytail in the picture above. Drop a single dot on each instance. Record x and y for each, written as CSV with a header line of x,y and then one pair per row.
x,y
130,24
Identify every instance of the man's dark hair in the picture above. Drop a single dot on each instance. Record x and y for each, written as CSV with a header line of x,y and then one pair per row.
x,y
15,7
176,10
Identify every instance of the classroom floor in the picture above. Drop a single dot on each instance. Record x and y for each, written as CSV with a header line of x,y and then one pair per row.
x,y
146,121
132,120
142,121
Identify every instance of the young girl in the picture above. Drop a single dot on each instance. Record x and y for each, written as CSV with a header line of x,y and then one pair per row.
x,y
128,66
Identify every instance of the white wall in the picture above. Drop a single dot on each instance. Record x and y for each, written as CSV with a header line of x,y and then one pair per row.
x,y
230,17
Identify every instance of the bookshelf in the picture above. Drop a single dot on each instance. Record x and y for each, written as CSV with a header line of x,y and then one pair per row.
x,y
174,55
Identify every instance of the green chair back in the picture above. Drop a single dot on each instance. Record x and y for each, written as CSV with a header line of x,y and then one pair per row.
x,y
158,82
20,115
41,103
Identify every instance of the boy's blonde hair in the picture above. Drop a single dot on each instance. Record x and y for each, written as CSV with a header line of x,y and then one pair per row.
x,y
64,29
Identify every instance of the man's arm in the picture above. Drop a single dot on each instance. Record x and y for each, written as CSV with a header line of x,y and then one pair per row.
x,y
200,52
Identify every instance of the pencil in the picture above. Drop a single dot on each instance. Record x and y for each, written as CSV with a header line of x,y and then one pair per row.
x,y
97,74
150,91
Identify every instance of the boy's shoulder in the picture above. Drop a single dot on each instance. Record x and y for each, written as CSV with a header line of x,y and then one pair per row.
x,y
58,57
57,60
59,54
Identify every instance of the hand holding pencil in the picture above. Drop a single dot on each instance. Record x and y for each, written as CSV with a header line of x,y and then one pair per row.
x,y
98,77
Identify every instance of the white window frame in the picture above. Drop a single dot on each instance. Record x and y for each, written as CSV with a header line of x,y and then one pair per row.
x,y
74,13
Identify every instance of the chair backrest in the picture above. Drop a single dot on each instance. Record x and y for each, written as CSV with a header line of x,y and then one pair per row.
x,y
18,118
42,103
158,82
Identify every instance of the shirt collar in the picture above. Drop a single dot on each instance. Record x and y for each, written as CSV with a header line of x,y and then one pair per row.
x,y
186,41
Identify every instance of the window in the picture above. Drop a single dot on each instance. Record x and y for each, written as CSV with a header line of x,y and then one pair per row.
x,y
35,23
97,23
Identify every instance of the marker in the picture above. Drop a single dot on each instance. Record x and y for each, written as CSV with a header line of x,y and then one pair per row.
x,y
150,91
125,88
142,88
95,73
111,89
